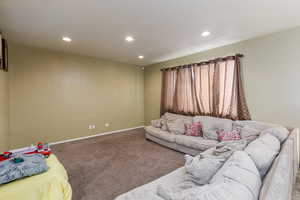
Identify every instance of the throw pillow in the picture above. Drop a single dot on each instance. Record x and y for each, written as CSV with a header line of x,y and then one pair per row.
x,y
200,170
156,123
228,135
281,133
164,126
193,129
263,151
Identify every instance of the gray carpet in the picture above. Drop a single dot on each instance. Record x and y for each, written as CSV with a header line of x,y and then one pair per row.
x,y
103,167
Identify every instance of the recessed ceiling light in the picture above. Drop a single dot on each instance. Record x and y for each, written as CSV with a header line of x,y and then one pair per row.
x,y
205,34
129,39
141,57
66,39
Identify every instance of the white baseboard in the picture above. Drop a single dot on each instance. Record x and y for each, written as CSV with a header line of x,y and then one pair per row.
x,y
91,136
85,137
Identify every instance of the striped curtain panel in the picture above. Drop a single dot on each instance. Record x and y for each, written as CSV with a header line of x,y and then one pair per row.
x,y
212,88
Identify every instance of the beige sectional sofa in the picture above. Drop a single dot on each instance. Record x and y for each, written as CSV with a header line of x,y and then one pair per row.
x,y
275,184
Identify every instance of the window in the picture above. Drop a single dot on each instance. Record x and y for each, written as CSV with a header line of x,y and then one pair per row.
x,y
211,88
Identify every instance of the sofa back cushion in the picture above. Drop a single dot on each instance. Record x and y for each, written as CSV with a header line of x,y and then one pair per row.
x,y
210,126
171,116
176,126
279,182
280,132
260,126
263,151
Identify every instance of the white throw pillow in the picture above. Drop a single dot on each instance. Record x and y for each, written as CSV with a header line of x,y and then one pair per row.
x,y
263,151
156,123
200,170
281,133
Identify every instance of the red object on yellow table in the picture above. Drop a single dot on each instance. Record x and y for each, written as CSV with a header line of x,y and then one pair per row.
x,y
40,148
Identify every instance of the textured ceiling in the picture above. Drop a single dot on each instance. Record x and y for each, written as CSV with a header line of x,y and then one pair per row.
x,y
162,29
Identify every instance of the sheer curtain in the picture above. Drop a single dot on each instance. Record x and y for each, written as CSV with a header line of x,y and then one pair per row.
x,y
211,88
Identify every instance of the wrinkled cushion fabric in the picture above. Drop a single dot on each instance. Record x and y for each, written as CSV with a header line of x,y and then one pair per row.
x,y
195,142
281,133
225,149
263,151
201,169
228,135
33,164
157,123
193,129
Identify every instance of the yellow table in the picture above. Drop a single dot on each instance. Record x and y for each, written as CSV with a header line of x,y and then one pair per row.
x,y
51,185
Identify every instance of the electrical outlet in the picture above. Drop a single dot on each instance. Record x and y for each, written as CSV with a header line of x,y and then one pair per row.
x,y
107,125
92,127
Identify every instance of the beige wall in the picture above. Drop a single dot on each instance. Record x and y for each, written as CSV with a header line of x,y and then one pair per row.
x,y
271,69
55,96
3,111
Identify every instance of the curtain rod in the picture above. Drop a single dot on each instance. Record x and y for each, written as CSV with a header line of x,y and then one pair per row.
x,y
205,62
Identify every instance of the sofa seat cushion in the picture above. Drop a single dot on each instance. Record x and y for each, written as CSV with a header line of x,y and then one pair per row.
x,y
156,132
195,142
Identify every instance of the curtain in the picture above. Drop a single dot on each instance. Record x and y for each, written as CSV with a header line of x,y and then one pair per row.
x,y
211,88
3,54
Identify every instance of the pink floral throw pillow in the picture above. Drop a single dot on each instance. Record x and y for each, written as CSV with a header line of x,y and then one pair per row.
x,y
228,135
193,129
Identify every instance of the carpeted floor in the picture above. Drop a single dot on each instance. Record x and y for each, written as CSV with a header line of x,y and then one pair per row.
x,y
103,167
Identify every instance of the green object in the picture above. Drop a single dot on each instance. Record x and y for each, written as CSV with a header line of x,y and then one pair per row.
x,y
18,160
